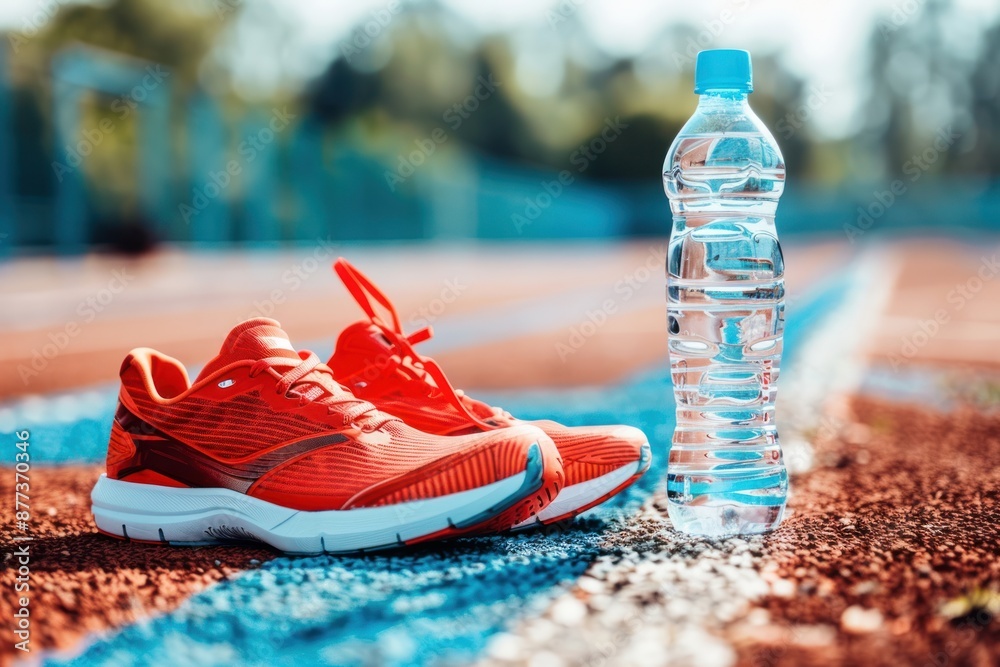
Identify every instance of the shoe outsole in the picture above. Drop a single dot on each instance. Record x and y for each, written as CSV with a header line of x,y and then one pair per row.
x,y
153,514
591,487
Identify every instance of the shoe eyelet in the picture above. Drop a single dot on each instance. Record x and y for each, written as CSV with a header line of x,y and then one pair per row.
x,y
363,428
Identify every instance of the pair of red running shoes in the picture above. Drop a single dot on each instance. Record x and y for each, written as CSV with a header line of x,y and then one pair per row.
x,y
373,449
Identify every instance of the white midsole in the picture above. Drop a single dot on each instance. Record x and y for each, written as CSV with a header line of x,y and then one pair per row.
x,y
580,495
199,516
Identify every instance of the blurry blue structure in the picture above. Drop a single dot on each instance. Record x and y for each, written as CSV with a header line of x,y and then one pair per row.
x,y
206,145
7,238
304,181
261,181
75,72
311,210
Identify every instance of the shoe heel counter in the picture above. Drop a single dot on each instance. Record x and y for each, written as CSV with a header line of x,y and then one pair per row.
x,y
134,445
121,446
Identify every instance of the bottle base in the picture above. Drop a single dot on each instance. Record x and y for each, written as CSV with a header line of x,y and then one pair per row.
x,y
725,520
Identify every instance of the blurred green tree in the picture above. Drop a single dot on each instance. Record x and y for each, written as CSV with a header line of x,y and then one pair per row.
x,y
934,88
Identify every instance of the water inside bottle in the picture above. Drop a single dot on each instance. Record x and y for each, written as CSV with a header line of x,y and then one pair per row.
x,y
726,313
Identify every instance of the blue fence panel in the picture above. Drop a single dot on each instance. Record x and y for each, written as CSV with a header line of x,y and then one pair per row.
x,y
205,219
258,154
8,236
309,182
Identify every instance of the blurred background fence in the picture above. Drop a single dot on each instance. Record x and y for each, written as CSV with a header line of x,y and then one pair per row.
x,y
124,123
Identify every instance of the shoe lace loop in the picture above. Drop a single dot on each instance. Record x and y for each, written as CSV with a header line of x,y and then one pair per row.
x,y
404,357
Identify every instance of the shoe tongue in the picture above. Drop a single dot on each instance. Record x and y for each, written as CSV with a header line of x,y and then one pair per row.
x,y
253,340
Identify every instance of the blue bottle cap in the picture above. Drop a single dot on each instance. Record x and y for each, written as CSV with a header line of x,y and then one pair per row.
x,y
723,69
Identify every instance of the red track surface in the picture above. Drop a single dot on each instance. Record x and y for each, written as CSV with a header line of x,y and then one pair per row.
x,y
900,517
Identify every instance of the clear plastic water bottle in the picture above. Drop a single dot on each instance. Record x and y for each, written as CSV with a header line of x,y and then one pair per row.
x,y
726,310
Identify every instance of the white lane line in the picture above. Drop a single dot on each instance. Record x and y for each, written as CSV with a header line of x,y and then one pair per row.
x,y
830,363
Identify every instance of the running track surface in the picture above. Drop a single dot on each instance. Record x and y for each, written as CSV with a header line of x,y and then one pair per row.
x,y
514,321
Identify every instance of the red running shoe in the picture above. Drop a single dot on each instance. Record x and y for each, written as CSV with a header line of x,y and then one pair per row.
x,y
377,361
266,446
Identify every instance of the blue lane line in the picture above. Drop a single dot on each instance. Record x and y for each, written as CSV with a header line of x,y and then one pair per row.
x,y
437,604
68,427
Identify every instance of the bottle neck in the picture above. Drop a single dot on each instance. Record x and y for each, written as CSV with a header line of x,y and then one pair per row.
x,y
723,98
